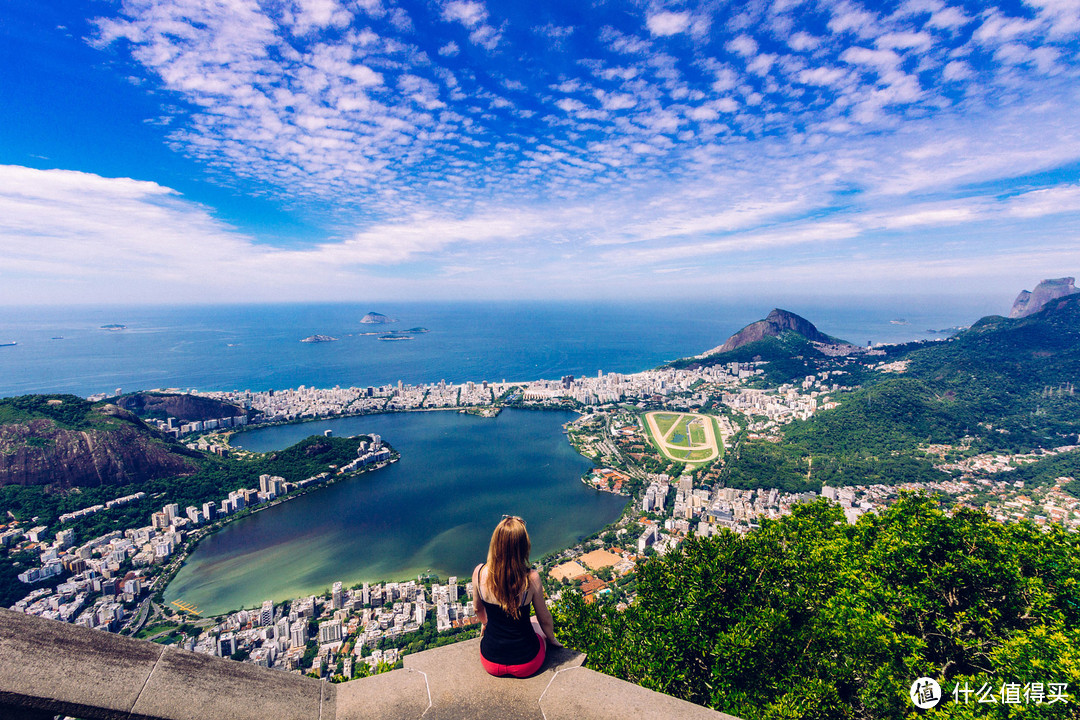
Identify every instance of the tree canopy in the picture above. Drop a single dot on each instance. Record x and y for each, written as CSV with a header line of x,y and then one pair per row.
x,y
810,617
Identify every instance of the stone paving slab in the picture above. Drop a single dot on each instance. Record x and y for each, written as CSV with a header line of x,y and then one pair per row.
x,y
396,695
190,686
580,693
461,688
38,655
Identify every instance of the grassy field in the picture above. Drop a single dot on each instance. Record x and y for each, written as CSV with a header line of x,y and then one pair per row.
x,y
697,433
686,437
155,629
664,421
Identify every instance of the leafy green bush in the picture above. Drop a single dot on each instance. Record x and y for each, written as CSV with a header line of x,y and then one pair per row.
x,y
810,617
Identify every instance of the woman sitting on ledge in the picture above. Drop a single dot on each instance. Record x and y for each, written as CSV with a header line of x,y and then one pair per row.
x,y
511,643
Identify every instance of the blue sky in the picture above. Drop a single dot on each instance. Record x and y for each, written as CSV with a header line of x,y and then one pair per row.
x,y
237,150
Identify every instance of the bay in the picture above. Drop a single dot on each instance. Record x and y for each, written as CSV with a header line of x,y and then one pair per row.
x,y
434,510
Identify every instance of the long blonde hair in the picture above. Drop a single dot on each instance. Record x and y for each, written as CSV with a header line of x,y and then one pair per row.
x,y
508,564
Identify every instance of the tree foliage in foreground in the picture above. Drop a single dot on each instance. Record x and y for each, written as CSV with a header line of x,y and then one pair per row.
x,y
812,618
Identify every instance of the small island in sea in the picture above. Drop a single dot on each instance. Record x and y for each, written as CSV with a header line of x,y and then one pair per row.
x,y
417,330
319,339
395,336
374,318
114,326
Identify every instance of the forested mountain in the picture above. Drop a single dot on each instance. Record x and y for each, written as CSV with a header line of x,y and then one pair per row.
x,y
65,442
1002,385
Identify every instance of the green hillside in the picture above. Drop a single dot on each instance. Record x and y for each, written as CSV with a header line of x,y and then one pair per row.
x,y
812,618
1003,385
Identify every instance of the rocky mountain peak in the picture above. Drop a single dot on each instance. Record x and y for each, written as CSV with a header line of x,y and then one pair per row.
x,y
776,323
1031,302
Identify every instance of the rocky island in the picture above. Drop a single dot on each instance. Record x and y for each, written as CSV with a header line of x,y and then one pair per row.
x,y
319,339
374,318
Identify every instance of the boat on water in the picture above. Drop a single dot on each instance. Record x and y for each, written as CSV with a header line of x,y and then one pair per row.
x,y
8,344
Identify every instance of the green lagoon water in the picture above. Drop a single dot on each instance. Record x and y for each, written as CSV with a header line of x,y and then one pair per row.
x,y
433,510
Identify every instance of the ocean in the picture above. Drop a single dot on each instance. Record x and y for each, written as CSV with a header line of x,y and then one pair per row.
x,y
257,347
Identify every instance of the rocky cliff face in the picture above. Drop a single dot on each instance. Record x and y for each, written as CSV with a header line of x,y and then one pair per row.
x,y
778,322
113,448
1031,302
188,408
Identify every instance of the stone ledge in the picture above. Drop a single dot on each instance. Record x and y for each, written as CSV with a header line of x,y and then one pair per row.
x,y
190,686
49,667
62,668
461,688
396,695
583,693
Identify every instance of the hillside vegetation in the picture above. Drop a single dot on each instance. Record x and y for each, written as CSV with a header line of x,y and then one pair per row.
x,y
812,618
1003,385
65,442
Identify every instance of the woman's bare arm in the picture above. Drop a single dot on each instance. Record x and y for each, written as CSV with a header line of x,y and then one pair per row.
x,y
543,615
478,605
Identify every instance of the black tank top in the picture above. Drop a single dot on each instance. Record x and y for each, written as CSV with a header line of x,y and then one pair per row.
x,y
507,641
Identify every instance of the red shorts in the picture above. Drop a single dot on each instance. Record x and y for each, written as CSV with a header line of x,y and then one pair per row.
x,y
520,671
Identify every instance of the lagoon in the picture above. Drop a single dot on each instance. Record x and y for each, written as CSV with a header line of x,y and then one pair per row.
x,y
431,511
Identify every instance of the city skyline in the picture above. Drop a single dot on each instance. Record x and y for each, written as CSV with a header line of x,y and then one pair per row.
x,y
178,151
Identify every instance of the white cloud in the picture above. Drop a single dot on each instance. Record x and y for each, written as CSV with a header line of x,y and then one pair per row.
x,y
800,41
904,40
883,59
1049,201
486,36
948,18
468,13
113,233
743,45
620,42
307,15
957,70
822,76
663,24
615,101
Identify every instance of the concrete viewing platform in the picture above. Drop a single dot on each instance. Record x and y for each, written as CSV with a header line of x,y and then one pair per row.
x,y
48,668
